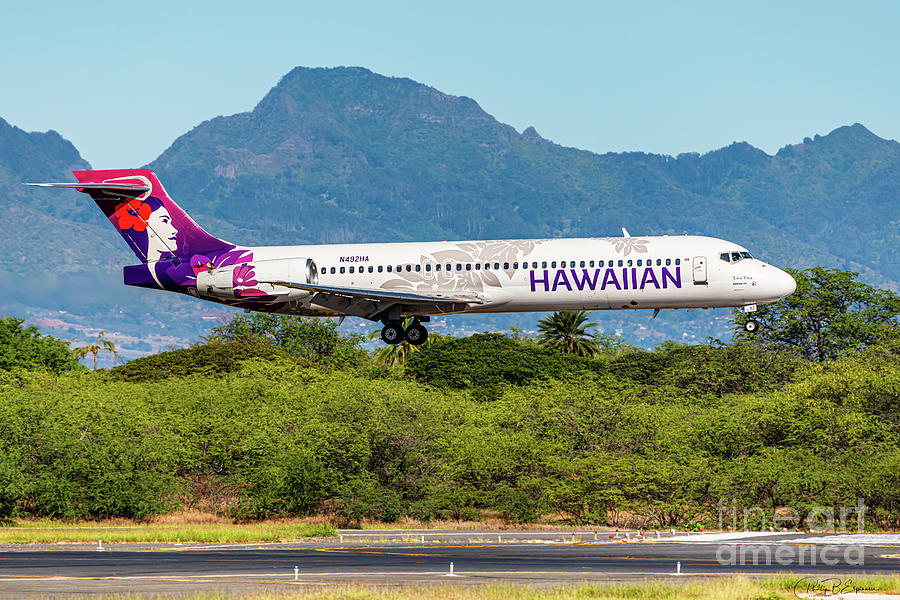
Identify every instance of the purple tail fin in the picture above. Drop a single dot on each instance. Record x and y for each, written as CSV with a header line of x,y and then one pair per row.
x,y
154,227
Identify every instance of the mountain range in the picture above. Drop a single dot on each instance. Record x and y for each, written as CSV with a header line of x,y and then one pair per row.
x,y
347,155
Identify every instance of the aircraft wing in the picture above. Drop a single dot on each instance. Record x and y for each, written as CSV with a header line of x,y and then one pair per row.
x,y
373,304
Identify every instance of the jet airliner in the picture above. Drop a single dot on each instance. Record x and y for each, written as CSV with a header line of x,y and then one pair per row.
x,y
388,282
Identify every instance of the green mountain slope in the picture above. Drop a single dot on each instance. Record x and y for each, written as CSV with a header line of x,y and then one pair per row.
x,y
30,218
63,262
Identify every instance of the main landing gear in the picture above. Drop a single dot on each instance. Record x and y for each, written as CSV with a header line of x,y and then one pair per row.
x,y
393,333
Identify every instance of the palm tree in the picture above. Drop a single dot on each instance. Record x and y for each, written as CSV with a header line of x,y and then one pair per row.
x,y
566,331
101,344
396,354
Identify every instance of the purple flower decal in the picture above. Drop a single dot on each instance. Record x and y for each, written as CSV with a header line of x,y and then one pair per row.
x,y
244,276
233,257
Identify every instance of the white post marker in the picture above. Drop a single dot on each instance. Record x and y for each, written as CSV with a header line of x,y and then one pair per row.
x,y
451,573
423,539
342,539
296,572
100,545
678,568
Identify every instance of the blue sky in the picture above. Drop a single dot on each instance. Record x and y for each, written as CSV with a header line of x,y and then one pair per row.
x,y
123,82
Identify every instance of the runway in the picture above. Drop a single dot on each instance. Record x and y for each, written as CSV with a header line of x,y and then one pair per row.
x,y
531,558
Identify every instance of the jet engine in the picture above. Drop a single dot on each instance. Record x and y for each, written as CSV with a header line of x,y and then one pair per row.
x,y
256,279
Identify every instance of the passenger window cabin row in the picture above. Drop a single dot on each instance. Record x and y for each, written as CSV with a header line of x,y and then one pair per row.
x,y
451,266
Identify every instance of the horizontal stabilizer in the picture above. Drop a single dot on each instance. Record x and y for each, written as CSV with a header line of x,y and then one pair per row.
x,y
128,190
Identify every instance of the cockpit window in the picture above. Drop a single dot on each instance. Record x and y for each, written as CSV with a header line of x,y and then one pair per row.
x,y
734,256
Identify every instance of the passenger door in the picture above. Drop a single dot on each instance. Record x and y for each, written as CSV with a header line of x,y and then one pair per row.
x,y
699,270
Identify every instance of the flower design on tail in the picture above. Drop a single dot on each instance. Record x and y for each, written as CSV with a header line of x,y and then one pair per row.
x,y
133,215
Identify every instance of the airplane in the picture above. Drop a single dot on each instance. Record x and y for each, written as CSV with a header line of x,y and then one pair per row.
x,y
388,282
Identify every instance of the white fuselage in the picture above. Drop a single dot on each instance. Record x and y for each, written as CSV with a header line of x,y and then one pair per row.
x,y
642,272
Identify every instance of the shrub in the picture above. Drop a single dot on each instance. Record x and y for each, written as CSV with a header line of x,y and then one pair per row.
x,y
484,361
204,359
25,348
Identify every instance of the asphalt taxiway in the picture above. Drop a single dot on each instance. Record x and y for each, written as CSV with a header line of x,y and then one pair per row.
x,y
397,558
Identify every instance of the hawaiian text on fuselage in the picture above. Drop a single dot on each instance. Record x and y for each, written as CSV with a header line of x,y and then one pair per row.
x,y
622,279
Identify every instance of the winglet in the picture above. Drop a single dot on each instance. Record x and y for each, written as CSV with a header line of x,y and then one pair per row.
x,y
625,232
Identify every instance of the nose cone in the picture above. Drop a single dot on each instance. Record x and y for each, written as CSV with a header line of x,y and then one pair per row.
x,y
783,285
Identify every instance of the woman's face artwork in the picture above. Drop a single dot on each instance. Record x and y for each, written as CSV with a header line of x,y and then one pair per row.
x,y
148,226
161,234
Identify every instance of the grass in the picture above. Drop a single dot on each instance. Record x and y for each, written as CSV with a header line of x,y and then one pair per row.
x,y
714,588
51,532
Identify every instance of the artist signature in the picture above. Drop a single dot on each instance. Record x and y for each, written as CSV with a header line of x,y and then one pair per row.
x,y
831,586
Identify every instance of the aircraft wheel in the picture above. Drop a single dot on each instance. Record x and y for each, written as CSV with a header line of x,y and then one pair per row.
x,y
392,333
751,326
416,334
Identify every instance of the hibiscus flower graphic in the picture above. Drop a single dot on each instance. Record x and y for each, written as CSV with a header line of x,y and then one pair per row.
x,y
506,252
133,215
624,245
244,276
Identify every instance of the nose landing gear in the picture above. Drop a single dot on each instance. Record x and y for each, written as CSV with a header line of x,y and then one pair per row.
x,y
393,333
752,325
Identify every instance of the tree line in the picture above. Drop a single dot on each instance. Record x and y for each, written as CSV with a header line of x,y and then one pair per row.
x,y
274,416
